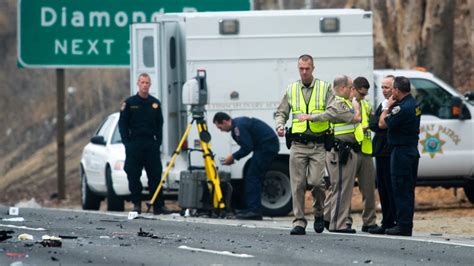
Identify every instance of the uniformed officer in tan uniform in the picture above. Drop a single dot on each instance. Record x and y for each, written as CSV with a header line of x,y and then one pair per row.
x,y
365,166
342,159
307,153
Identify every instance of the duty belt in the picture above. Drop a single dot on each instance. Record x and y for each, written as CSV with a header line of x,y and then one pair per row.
x,y
144,137
354,146
306,138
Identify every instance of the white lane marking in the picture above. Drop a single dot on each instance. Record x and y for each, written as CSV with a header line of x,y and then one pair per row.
x,y
226,253
273,225
23,227
416,239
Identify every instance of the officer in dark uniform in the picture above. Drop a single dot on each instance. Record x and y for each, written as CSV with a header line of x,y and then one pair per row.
x,y
402,118
254,135
141,125
381,152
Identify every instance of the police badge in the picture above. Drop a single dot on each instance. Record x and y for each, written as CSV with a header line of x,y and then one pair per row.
x,y
395,110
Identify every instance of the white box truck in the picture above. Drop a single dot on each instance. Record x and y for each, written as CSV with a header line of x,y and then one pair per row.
x,y
251,56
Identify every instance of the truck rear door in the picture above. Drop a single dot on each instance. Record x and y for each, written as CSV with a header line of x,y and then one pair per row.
x,y
157,49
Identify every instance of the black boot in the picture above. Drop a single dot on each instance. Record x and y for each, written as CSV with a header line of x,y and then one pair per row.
x,y
318,224
298,230
398,231
161,210
137,207
248,215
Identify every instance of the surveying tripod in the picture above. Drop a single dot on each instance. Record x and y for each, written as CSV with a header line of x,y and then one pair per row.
x,y
209,163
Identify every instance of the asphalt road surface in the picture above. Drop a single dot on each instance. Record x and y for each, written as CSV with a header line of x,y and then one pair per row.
x,y
111,238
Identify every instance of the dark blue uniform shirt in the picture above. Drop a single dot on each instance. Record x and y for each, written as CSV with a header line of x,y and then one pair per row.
x,y
141,118
404,123
253,134
380,141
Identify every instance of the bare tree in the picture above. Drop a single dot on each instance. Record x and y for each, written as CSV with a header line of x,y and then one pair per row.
x,y
437,38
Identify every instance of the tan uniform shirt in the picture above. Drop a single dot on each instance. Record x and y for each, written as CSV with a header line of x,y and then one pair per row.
x,y
284,109
338,112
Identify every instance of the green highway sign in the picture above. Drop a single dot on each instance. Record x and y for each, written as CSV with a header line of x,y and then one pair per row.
x,y
93,33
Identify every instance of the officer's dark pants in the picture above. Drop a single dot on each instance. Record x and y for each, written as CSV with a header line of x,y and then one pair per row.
x,y
259,165
143,153
384,187
404,168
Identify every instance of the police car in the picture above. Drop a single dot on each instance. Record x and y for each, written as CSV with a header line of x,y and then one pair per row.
x,y
101,168
446,144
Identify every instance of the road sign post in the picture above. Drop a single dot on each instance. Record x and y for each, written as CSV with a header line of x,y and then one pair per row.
x,y
64,34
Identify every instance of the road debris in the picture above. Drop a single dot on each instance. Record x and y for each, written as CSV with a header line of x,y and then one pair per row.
x,y
51,241
67,237
16,255
132,215
25,236
5,234
147,234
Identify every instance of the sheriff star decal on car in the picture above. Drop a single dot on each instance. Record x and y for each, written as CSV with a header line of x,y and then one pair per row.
x,y
432,144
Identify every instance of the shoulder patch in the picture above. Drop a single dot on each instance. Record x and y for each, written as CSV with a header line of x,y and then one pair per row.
x,y
418,111
395,110
236,131
122,107
155,106
342,107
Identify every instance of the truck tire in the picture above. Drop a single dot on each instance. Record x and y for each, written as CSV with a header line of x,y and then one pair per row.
x,y
469,190
276,190
89,199
114,202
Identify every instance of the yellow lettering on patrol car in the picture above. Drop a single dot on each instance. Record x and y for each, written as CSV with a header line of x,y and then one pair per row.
x,y
155,105
450,133
428,127
432,142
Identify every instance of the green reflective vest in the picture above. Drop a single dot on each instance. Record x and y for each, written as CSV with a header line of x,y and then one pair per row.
x,y
347,128
317,104
367,140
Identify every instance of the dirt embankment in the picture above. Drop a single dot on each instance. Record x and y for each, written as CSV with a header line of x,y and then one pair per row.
x,y
437,211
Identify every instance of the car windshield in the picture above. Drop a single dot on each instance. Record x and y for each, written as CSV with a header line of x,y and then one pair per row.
x,y
116,138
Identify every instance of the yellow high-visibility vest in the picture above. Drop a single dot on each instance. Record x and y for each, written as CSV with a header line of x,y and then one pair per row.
x,y
367,140
316,105
347,128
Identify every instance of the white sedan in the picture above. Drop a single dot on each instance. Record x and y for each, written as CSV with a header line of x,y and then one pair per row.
x,y
101,169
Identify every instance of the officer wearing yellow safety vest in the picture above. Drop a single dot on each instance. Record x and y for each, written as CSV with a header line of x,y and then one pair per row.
x,y
341,160
307,139
365,166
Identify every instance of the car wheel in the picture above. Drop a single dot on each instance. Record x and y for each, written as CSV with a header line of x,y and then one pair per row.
x,y
89,200
469,190
114,202
276,190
